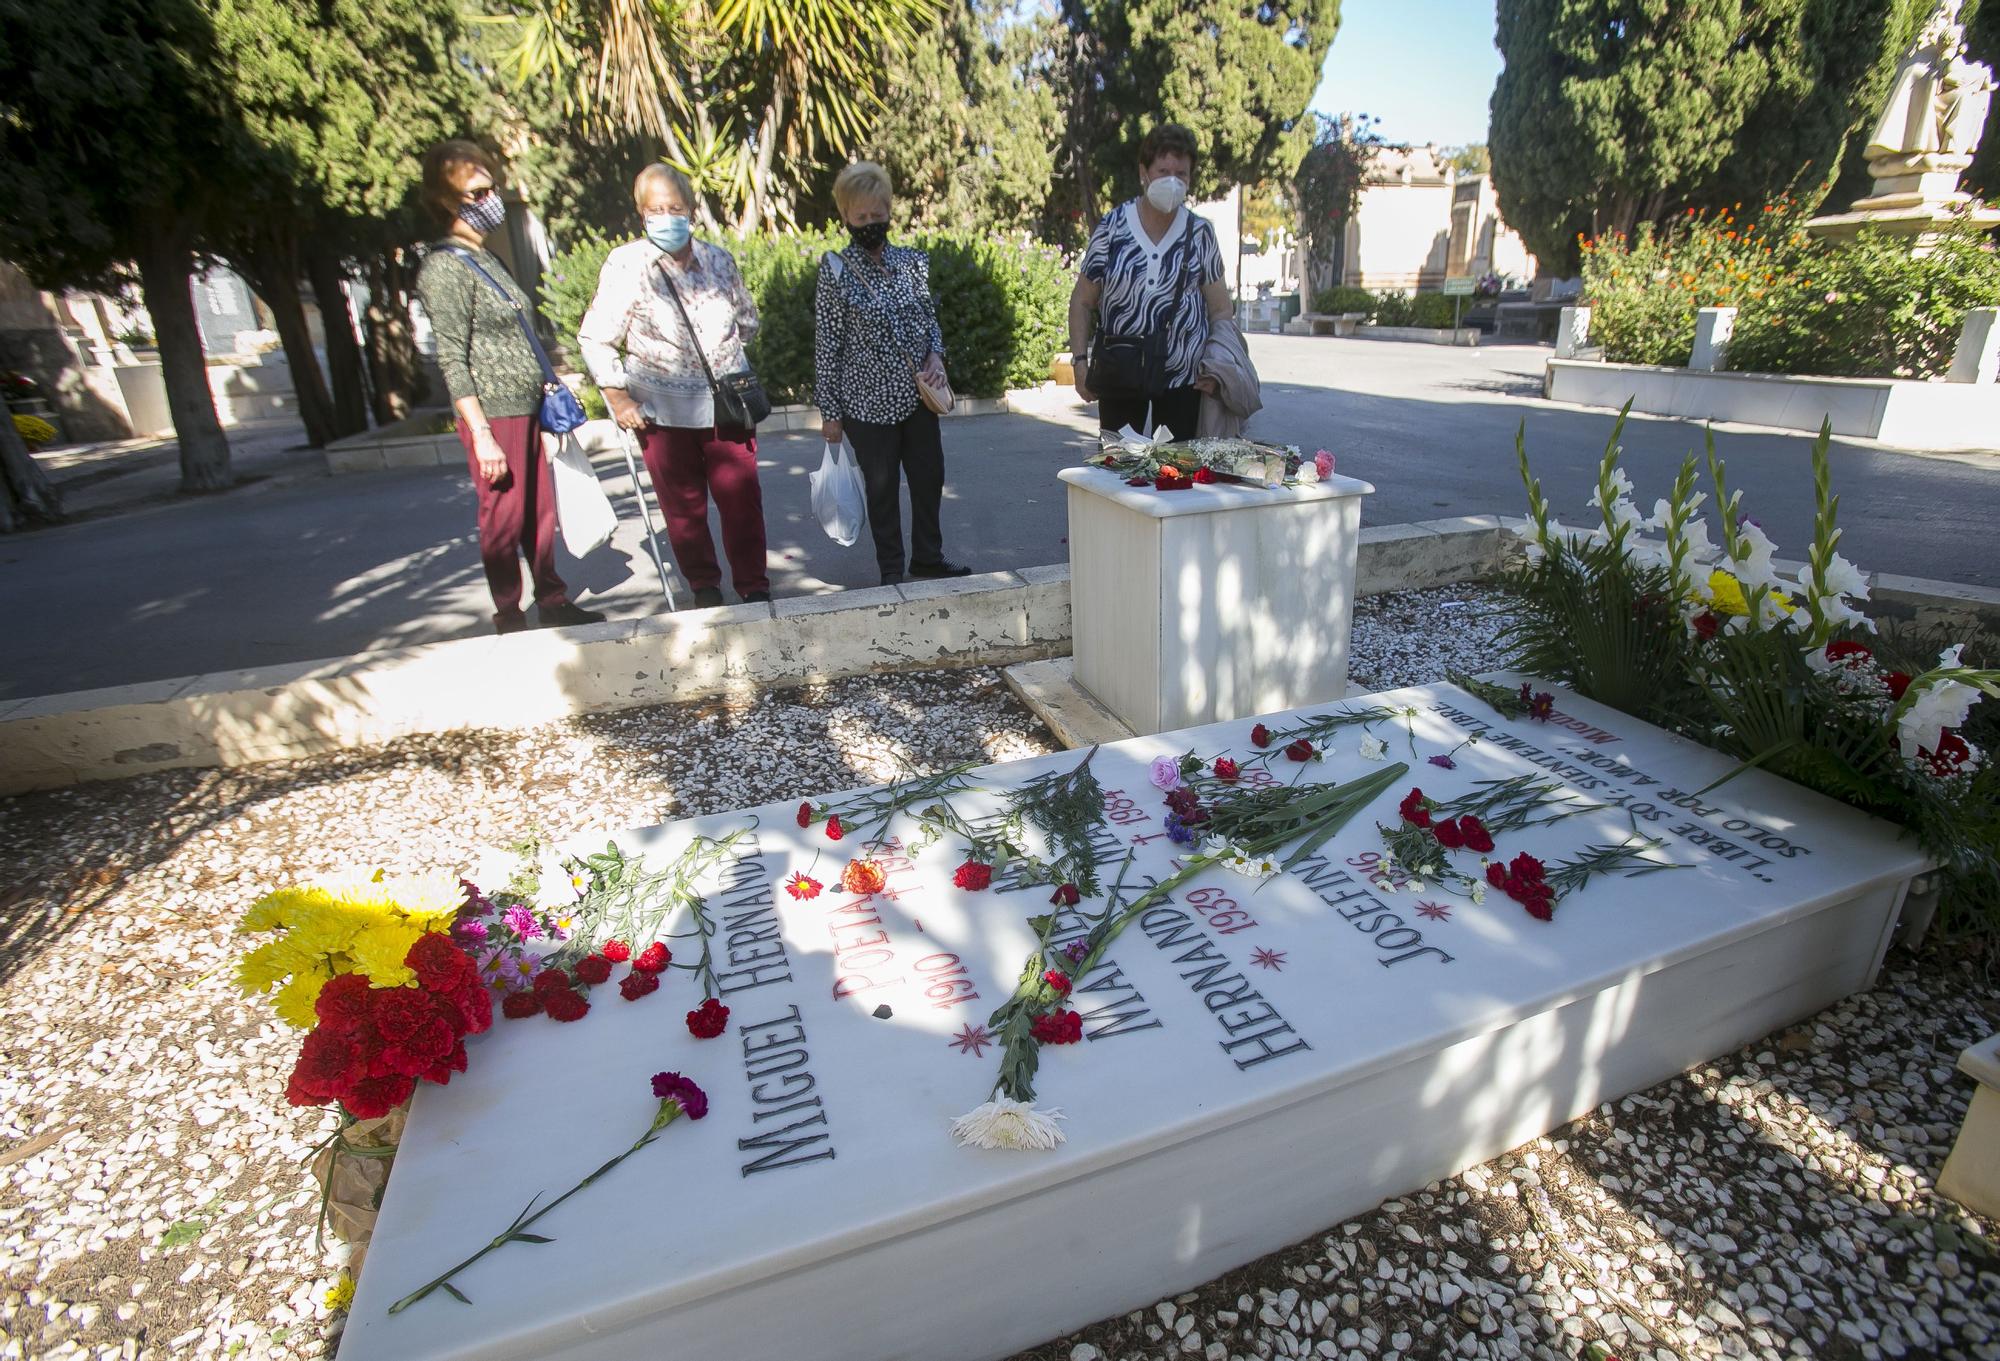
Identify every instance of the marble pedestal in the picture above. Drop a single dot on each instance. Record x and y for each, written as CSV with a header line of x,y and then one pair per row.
x,y
1259,1061
1223,600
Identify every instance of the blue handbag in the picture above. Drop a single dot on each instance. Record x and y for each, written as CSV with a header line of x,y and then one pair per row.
x,y
561,412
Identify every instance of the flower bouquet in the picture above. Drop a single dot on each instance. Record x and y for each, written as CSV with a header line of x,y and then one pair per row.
x,y
1170,464
1710,639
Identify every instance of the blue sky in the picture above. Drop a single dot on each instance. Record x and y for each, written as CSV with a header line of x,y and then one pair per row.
x,y
1424,67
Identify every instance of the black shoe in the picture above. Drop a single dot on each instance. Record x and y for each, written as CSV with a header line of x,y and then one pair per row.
x,y
892,578
557,616
516,623
940,568
708,597
757,598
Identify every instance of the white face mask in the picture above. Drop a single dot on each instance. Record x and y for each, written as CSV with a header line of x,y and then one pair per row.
x,y
1167,193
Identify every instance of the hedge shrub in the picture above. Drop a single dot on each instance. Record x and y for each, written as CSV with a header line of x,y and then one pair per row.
x,y
1864,308
1346,298
1003,305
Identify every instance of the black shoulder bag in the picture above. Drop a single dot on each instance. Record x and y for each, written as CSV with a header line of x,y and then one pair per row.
x,y
739,398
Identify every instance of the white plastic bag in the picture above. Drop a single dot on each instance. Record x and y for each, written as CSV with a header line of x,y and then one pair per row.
x,y
583,511
840,503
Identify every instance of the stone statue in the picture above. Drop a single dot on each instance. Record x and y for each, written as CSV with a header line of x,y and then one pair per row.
x,y
1937,108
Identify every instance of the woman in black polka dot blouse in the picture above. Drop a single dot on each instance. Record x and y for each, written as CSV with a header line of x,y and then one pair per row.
x,y
875,324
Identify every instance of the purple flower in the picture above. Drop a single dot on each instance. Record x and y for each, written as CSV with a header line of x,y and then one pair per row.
x,y
518,971
1445,761
673,1087
1178,830
471,930
521,921
1076,950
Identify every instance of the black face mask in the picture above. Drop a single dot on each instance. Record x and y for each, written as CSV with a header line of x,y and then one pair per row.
x,y
870,235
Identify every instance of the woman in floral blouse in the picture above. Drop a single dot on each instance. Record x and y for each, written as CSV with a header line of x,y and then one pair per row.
x,y
641,353
874,327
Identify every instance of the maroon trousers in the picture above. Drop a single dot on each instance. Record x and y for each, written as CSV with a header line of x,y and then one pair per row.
x,y
525,497
686,467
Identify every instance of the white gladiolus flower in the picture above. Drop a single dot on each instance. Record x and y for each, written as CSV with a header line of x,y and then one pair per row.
x,y
1952,656
1838,611
1663,511
1006,1123
1939,705
1373,749
1695,534
1753,569
1844,578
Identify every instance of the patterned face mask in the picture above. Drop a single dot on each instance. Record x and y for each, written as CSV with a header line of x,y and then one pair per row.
x,y
484,214
869,235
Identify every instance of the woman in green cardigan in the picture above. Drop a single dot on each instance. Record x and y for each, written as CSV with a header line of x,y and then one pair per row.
x,y
496,388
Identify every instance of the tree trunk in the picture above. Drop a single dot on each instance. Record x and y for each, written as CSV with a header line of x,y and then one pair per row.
x,y
26,494
272,266
165,266
343,352
394,370
754,207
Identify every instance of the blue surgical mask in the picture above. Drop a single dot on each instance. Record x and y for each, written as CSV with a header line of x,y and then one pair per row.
x,y
669,231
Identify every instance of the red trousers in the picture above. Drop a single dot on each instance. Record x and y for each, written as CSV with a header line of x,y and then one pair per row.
x,y
686,467
526,496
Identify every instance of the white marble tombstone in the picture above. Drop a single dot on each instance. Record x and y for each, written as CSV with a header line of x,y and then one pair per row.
x,y
1259,1062
1223,600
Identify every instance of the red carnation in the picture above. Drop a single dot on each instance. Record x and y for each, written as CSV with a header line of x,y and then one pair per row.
x,y
1525,866
343,1002
973,875
475,1009
1058,982
833,829
439,965
1898,682
1300,750
516,1006
653,958
566,1005
708,1020
1225,770
1061,1027
617,951
1541,907
1413,810
637,984
1448,834
552,980
593,969
1260,736
1848,648
805,815
1203,476
1066,895
1705,625
1477,838
373,1098
1496,874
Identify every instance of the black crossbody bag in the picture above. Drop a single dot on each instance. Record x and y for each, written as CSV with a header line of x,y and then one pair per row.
x,y
740,400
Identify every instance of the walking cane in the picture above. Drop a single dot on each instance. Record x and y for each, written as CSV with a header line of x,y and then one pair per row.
x,y
629,446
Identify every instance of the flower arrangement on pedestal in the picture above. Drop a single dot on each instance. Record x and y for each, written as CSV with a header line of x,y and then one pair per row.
x,y
1710,639
1175,465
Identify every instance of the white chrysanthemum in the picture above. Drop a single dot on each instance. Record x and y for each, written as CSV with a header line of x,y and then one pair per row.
x,y
1478,890
1006,1123
1939,705
1373,749
1308,472
1250,866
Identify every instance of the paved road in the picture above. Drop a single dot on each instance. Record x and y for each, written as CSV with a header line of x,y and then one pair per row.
x,y
319,567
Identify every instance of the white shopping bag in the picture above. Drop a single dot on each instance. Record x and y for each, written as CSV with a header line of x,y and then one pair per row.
x,y
583,511
840,503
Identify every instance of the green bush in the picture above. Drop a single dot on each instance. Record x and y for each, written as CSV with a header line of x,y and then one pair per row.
x,y
1003,305
1346,298
1393,309
1869,308
1435,310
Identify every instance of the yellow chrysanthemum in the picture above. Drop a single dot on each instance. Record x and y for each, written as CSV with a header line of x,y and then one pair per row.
x,y
283,908
340,1294
1727,593
294,1002
379,952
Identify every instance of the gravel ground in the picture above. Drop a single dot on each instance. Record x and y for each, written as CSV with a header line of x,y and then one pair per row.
x,y
1776,1202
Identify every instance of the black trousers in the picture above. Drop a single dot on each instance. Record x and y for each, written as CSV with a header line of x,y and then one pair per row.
x,y
1179,409
912,448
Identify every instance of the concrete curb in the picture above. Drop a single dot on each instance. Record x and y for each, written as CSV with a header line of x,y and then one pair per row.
x,y
236,718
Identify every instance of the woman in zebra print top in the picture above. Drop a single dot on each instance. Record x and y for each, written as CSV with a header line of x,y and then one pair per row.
x,y
1150,284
